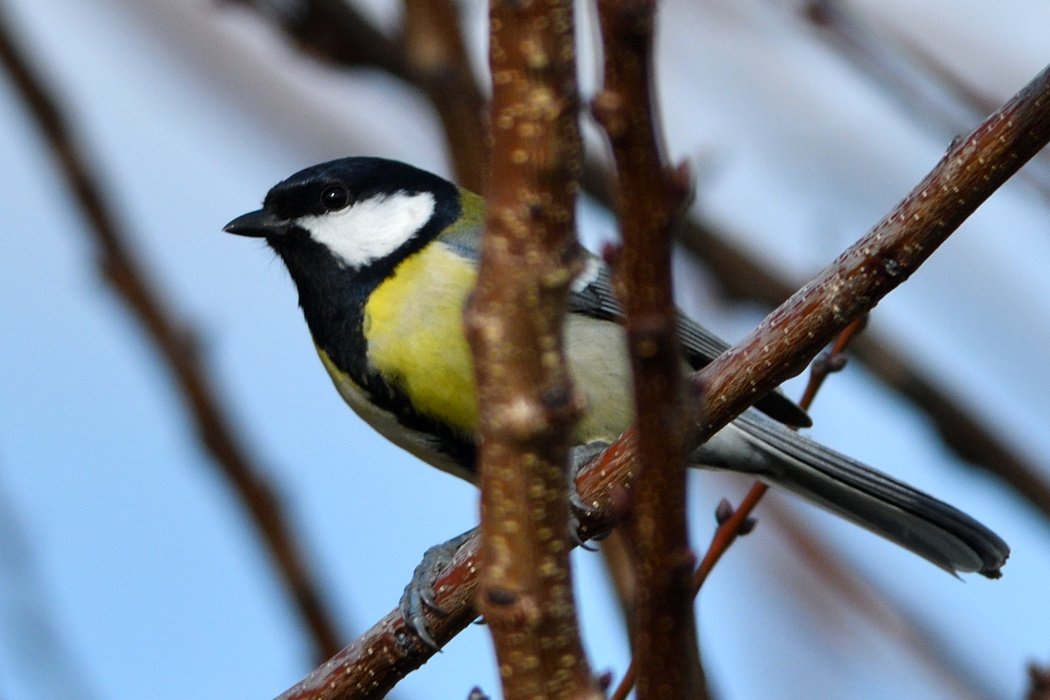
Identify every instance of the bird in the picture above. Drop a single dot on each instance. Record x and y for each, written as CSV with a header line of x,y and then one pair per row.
x,y
384,256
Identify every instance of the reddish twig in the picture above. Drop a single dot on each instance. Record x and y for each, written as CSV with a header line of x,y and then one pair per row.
x,y
175,342
829,361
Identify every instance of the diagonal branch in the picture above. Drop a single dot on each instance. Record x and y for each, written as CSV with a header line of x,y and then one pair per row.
x,y
176,342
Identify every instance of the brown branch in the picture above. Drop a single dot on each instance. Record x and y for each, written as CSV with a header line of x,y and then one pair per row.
x,y
528,406
176,342
329,29
652,200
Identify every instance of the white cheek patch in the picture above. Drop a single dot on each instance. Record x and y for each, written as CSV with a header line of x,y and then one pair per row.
x,y
372,228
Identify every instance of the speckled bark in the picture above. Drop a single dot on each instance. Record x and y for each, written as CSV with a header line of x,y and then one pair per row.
x,y
528,405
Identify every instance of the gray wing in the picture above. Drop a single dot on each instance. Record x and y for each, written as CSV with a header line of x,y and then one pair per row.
x,y
934,530
593,295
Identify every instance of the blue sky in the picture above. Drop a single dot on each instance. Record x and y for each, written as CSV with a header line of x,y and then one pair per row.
x,y
151,582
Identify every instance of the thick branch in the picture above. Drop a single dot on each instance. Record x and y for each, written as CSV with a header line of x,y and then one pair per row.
x,y
652,196
528,407
177,344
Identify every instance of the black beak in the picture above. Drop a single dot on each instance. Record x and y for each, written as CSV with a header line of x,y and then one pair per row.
x,y
257,224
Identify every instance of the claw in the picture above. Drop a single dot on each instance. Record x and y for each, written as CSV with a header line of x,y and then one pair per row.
x,y
419,593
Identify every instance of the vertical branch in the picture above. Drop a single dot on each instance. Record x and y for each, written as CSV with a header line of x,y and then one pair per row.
x,y
528,405
652,198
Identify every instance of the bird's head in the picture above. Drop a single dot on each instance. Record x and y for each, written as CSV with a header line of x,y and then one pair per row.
x,y
351,216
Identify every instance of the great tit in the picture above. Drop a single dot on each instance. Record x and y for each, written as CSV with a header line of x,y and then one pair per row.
x,y
384,256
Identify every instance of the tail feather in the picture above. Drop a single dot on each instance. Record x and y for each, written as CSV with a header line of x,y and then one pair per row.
x,y
916,521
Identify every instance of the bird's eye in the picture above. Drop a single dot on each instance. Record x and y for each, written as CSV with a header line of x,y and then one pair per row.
x,y
334,197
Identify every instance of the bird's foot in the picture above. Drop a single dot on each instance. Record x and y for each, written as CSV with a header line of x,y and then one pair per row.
x,y
419,593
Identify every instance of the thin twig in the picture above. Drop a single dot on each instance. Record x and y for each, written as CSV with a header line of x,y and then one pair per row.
x,y
176,342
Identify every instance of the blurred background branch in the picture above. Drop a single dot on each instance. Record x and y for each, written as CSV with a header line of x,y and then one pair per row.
x,y
178,346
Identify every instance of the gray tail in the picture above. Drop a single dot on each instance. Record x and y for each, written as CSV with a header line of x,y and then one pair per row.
x,y
918,522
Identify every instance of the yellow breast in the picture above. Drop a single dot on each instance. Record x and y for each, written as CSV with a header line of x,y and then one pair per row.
x,y
413,323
